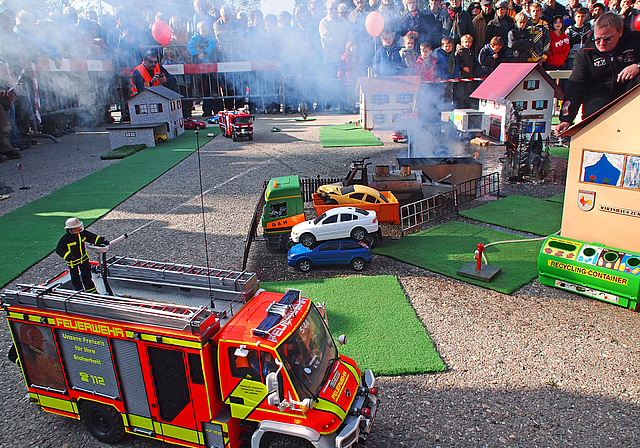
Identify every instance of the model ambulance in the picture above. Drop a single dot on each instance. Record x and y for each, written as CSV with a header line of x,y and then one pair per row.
x,y
188,355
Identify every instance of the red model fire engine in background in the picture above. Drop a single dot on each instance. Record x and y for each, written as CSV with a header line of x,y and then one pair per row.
x,y
188,355
236,123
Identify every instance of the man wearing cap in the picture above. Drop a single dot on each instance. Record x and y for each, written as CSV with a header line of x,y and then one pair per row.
x,y
72,249
480,23
551,9
500,26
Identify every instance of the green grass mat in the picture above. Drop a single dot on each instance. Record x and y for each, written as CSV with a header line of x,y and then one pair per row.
x,y
446,248
383,332
31,232
122,152
521,213
348,134
560,151
559,198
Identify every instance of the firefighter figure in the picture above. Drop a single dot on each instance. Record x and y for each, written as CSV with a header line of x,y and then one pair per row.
x,y
72,248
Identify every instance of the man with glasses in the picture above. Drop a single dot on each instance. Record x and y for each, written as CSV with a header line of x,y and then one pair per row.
x,y
602,72
500,26
150,73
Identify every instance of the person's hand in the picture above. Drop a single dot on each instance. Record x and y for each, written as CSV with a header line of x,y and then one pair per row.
x,y
201,56
628,73
466,69
495,56
162,79
560,128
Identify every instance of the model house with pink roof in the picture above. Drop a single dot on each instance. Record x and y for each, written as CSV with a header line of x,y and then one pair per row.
x,y
524,87
386,100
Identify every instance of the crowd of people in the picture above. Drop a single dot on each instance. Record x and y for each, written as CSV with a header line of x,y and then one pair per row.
x,y
436,40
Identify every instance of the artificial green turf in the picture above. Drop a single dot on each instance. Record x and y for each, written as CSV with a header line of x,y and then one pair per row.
x,y
31,232
383,332
522,213
348,134
446,248
560,151
122,152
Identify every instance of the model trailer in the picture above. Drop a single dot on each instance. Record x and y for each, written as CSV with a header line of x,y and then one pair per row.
x,y
191,356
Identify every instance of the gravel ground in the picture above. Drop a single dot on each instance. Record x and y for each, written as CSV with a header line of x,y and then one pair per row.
x,y
538,368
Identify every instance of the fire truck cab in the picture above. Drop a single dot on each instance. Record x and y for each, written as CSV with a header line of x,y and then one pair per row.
x,y
236,123
223,365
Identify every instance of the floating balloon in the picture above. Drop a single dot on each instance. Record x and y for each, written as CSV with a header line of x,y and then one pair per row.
x,y
636,23
374,23
161,32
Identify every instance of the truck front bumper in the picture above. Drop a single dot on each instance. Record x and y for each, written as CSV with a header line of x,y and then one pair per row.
x,y
357,426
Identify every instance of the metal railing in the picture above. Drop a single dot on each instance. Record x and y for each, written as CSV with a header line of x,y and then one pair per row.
x,y
417,213
475,188
310,185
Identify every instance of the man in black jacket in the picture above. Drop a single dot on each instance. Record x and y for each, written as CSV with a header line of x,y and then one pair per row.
x,y
72,249
602,72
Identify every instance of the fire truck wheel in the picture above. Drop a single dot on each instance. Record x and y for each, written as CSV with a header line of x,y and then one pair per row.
x,y
307,239
358,234
304,265
357,264
234,136
250,136
102,421
281,441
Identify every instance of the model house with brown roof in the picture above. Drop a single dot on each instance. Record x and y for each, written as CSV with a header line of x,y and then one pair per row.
x,y
525,87
602,195
386,100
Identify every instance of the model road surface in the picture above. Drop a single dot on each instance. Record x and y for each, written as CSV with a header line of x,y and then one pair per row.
x,y
539,368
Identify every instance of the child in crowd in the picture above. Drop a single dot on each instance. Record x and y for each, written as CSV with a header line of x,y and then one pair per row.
x,y
351,65
425,66
488,56
520,41
559,47
465,57
387,61
201,47
408,53
447,67
579,34
464,53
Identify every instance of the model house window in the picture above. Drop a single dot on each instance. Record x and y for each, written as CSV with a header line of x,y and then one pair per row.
x,y
379,119
181,123
153,108
404,98
527,127
483,102
173,105
520,105
380,99
129,134
541,127
179,103
397,117
531,85
141,109
496,105
159,107
540,104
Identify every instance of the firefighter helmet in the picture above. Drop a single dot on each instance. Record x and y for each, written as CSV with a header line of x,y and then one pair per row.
x,y
73,223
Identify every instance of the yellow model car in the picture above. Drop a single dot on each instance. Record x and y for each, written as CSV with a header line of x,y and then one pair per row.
x,y
160,138
353,194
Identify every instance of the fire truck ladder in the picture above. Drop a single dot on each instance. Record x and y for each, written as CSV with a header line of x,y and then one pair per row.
x,y
223,284
141,311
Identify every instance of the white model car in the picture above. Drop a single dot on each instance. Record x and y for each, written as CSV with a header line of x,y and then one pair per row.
x,y
339,222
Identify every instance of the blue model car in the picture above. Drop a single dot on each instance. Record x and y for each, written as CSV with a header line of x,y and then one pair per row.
x,y
213,120
345,251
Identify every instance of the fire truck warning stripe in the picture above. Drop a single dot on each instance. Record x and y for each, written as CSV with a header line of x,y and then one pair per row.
x,y
56,405
21,317
166,340
180,433
325,405
140,422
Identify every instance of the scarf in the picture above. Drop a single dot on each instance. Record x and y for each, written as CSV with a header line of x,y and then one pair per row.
x,y
451,63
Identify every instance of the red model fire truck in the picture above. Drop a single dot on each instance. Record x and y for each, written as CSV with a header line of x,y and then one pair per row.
x,y
191,356
236,123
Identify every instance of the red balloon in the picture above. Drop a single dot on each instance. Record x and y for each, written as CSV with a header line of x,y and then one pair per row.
x,y
636,23
161,32
374,23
